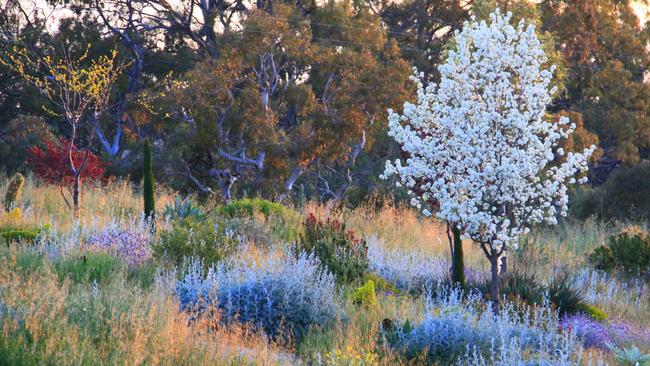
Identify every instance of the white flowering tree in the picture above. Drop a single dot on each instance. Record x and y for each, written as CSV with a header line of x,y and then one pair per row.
x,y
477,148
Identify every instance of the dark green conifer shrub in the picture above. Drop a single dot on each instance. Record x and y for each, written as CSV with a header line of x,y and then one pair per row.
x,y
147,186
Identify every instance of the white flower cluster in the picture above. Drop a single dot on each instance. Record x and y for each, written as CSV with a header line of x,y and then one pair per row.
x,y
478,143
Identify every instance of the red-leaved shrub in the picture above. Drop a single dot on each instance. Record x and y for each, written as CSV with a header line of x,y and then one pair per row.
x,y
51,164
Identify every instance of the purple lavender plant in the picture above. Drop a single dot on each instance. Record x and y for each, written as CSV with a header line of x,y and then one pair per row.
x,y
130,246
593,333
624,332
599,335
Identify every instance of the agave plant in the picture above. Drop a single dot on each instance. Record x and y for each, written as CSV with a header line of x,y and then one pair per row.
x,y
631,356
184,208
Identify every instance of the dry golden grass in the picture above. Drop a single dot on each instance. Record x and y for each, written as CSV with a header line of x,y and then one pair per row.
x,y
124,323
99,205
48,321
399,226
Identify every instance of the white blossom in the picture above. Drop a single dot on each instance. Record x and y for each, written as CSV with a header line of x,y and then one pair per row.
x,y
478,143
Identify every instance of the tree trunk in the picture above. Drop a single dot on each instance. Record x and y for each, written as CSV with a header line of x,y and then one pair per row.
x,y
148,189
504,263
457,263
494,279
75,195
226,187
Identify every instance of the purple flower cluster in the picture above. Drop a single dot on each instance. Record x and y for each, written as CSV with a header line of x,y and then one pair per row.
x,y
598,335
625,332
593,333
131,246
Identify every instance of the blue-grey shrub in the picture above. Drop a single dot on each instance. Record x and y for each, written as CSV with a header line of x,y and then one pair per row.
x,y
283,297
465,331
409,270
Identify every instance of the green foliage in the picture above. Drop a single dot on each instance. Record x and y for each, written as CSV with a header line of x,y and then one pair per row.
x,y
249,230
13,191
625,196
142,275
249,206
19,235
184,208
565,296
289,123
625,253
147,185
381,284
365,295
605,50
29,261
525,287
88,267
193,238
11,234
339,250
282,221
595,312
522,286
22,131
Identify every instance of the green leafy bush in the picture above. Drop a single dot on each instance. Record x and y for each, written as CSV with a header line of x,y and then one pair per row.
x,y
19,235
249,206
381,284
365,295
249,230
626,253
625,196
88,267
282,222
11,234
338,249
595,312
202,239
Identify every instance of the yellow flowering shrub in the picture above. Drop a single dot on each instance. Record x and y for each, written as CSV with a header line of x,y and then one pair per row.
x,y
351,357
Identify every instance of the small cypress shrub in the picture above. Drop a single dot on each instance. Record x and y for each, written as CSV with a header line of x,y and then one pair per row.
x,y
147,189
13,191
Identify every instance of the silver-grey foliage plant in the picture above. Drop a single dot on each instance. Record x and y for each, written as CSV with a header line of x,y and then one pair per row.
x,y
283,297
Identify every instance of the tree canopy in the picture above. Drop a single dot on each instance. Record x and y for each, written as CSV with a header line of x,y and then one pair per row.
x,y
277,99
